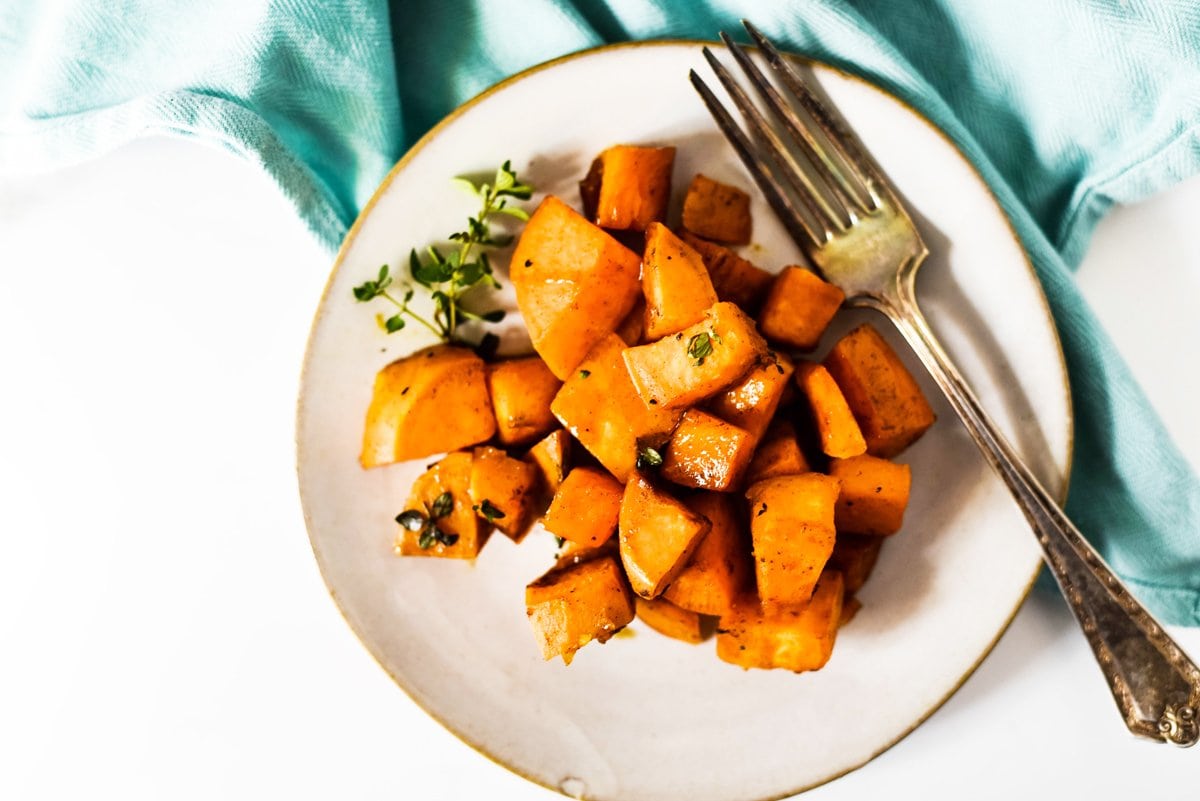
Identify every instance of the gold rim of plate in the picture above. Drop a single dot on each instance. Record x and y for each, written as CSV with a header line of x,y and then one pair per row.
x,y
450,118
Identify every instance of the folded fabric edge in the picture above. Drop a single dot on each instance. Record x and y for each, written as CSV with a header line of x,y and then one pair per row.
x,y
53,143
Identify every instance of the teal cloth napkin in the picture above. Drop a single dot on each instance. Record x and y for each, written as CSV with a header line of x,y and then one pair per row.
x,y
1065,106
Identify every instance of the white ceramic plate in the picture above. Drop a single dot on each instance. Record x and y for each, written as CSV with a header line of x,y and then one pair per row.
x,y
644,717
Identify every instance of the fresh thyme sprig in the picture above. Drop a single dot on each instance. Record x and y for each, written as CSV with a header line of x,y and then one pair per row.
x,y
449,276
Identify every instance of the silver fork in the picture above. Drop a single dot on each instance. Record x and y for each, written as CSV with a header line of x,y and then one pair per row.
x,y
842,212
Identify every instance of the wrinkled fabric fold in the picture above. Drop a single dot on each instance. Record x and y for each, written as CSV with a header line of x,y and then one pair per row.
x,y
1065,107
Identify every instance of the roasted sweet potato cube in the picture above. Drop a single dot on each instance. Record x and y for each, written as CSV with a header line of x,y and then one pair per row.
x,y
778,454
717,211
601,409
751,402
586,508
795,638
658,534
705,452
503,491
798,308
521,391
874,494
574,604
699,361
837,430
854,556
791,527
668,619
551,456
890,408
628,186
435,400
675,284
445,524
574,284
735,279
720,566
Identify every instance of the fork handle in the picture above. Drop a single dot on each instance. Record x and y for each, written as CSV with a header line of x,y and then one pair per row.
x,y
1155,684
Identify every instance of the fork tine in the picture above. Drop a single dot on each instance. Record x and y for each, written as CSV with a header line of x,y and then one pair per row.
x,y
801,134
796,224
769,141
856,164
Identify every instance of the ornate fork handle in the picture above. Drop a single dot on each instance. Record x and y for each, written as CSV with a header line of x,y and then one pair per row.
x,y
1155,684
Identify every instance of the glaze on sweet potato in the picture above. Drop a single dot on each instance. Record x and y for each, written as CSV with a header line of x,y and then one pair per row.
x,y
668,619
658,534
451,475
575,604
717,211
675,284
888,404
628,186
837,430
735,279
551,456
751,402
854,556
586,508
574,284
699,361
795,638
434,401
705,452
719,569
778,454
503,491
601,409
791,526
798,308
874,494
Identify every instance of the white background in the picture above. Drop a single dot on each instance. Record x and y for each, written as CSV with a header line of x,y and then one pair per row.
x,y
164,631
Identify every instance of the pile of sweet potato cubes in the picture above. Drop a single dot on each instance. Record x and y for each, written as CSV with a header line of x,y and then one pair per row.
x,y
694,466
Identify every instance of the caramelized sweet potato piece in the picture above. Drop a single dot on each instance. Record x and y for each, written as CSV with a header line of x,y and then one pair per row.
x,y
435,400
699,361
599,406
521,392
854,556
628,186
850,607
837,429
750,403
550,456
795,638
887,403
586,508
778,454
720,566
798,308
717,211
455,521
874,494
632,329
791,526
574,604
735,279
675,284
574,284
503,491
705,452
668,619
657,536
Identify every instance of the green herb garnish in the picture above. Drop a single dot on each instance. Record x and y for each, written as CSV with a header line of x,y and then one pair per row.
x,y
430,533
449,276
584,373
411,520
648,457
443,505
489,511
700,347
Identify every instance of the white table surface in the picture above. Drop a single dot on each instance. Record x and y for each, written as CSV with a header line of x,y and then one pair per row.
x,y
164,630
